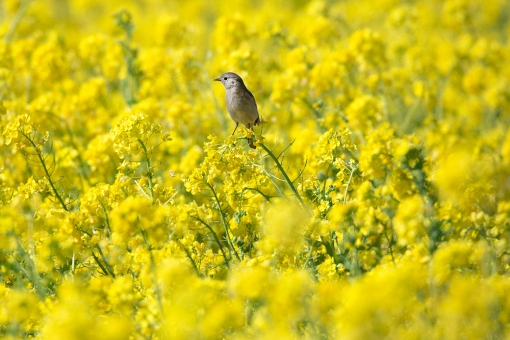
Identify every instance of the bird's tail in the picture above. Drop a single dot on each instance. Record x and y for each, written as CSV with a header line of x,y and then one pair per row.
x,y
257,121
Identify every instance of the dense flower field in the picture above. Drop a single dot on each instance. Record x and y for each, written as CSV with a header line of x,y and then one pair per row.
x,y
376,205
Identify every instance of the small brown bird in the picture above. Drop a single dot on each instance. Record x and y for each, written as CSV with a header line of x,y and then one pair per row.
x,y
241,104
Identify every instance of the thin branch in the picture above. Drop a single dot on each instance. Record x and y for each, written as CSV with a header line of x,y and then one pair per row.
x,y
267,197
348,184
293,188
103,269
149,171
188,255
157,291
288,146
215,238
225,225
16,21
107,265
301,171
48,176
141,189
106,217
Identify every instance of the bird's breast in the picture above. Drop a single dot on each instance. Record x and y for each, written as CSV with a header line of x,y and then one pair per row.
x,y
241,106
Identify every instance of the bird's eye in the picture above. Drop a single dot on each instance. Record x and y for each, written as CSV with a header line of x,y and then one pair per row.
x,y
225,78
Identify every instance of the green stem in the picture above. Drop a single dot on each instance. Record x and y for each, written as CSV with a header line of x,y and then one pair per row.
x,y
266,197
309,256
106,218
215,238
154,275
83,165
103,269
149,172
348,184
277,187
31,270
17,19
48,176
188,255
326,177
390,245
292,187
225,225
107,265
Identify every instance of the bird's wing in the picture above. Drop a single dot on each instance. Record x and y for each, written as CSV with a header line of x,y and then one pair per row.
x,y
251,95
253,98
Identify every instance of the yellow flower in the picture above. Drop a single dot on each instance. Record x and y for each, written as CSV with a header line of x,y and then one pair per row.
x,y
14,132
368,47
453,171
284,228
29,188
172,31
458,257
327,270
92,48
128,133
73,317
410,222
229,33
332,143
375,156
363,113
248,282
476,80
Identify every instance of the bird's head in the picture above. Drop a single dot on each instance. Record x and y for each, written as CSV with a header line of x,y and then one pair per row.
x,y
230,80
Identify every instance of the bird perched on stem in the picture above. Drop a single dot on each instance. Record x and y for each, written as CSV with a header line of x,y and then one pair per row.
x,y
241,104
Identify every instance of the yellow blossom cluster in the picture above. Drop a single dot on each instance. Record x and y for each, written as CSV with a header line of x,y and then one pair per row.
x,y
375,205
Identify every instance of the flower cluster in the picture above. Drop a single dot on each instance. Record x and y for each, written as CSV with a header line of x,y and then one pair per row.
x,y
375,205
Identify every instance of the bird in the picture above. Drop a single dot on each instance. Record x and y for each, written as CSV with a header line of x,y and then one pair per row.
x,y
241,105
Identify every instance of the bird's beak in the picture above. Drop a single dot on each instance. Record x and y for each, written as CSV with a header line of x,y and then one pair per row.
x,y
217,79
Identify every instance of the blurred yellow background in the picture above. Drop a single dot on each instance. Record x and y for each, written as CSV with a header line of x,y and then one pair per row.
x,y
376,205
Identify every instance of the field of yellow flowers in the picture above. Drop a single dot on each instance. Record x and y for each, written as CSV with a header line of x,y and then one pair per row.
x,y
376,205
